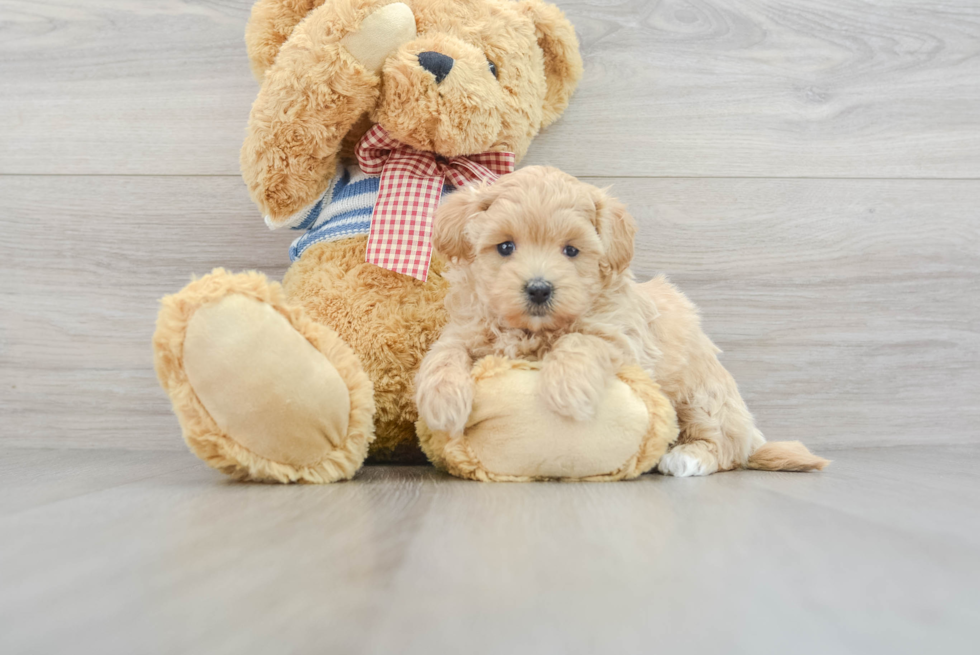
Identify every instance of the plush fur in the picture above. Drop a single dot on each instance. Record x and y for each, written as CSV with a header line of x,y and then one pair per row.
x,y
290,150
596,320
316,100
390,321
500,424
201,432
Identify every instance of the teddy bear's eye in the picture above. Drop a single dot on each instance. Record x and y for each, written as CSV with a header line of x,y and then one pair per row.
x,y
506,249
493,67
570,251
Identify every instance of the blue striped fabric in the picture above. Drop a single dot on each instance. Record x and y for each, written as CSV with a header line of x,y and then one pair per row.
x,y
343,211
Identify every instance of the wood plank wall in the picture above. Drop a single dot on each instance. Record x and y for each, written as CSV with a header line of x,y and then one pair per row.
x,y
808,172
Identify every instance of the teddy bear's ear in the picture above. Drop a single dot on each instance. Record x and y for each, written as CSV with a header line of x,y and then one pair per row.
x,y
617,230
449,224
562,61
271,23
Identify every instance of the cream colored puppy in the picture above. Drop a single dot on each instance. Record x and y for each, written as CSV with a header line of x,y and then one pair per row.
x,y
541,272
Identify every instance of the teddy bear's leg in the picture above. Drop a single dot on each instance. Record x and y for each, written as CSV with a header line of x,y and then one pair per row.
x,y
389,320
509,436
262,392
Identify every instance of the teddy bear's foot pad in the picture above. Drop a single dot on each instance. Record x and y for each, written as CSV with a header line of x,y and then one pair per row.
x,y
262,392
509,437
263,383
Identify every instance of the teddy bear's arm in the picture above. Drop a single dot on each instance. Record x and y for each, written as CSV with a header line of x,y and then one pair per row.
x,y
312,95
269,25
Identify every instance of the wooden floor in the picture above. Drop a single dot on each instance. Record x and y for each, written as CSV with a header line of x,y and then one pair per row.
x,y
808,171
118,551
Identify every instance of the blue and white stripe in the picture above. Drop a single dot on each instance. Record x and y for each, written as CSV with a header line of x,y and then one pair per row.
x,y
343,211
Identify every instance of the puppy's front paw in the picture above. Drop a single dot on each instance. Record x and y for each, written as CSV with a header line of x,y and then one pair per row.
x,y
565,393
380,34
445,401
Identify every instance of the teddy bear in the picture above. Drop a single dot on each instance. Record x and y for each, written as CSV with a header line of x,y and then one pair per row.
x,y
369,112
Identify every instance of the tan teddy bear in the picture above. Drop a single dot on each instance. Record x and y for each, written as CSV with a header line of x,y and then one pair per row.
x,y
369,111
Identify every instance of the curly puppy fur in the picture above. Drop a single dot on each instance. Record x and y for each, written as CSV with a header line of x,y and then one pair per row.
x,y
578,241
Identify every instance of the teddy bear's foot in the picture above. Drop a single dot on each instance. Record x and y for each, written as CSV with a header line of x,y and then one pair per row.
x,y
261,391
511,437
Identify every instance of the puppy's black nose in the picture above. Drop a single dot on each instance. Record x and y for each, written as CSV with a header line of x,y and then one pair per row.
x,y
538,291
436,63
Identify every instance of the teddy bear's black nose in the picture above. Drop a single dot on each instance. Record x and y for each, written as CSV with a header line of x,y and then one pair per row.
x,y
436,63
538,291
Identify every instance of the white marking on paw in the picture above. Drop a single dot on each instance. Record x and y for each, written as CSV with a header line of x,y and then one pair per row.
x,y
682,465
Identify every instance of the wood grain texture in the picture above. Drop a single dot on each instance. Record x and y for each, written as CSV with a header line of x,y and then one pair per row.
x,y
85,260
123,86
805,88
849,310
753,89
166,556
841,305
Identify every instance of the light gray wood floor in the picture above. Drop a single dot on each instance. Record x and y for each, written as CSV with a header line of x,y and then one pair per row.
x,y
808,171
118,551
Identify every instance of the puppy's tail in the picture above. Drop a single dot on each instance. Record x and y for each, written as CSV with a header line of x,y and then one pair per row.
x,y
785,456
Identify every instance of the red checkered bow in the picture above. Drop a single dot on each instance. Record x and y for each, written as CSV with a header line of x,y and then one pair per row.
x,y
410,189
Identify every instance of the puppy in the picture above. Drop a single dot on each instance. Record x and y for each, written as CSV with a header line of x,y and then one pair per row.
x,y
541,272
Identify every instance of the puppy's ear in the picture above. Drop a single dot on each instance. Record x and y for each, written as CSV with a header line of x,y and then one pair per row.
x,y
454,213
616,229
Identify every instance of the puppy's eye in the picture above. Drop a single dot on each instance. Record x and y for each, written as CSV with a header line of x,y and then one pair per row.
x,y
492,66
506,249
569,251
